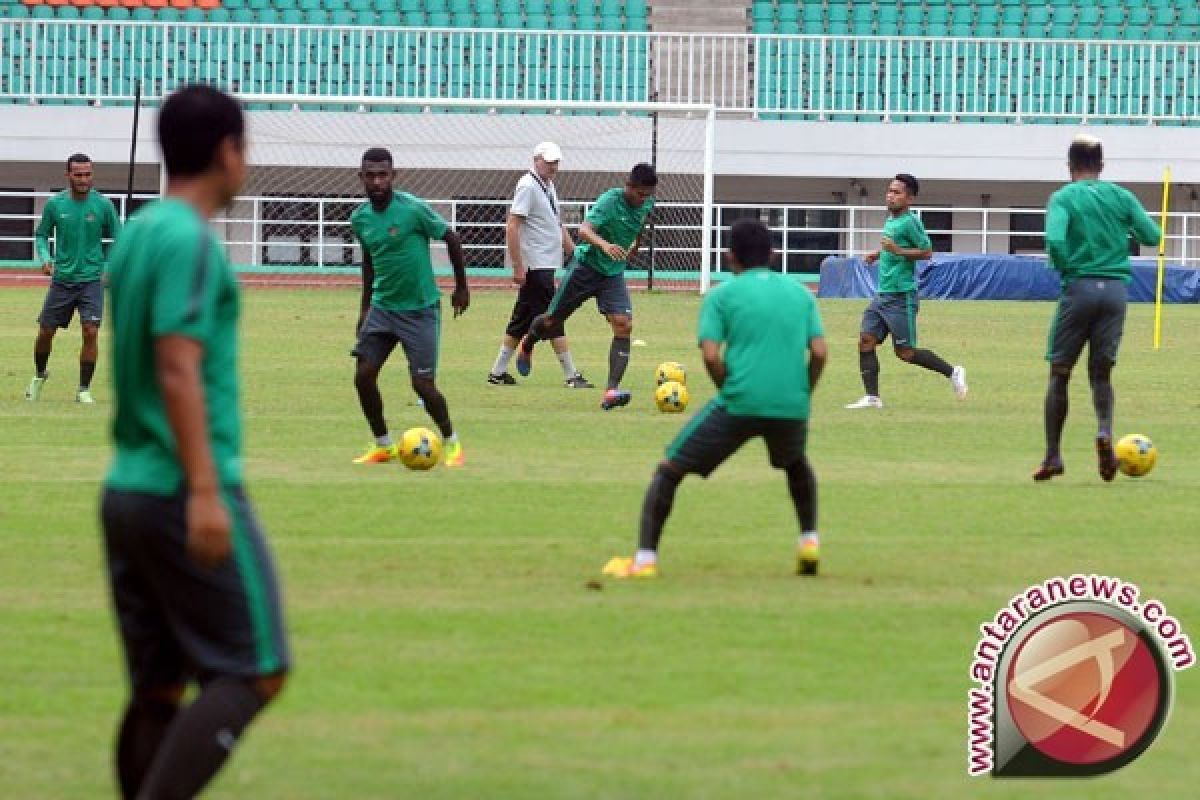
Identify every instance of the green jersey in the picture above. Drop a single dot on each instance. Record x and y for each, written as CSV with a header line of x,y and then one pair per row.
x,y
616,222
170,277
79,227
397,241
896,272
765,320
1087,230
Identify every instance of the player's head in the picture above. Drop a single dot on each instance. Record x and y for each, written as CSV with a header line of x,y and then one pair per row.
x,y
79,173
202,133
377,174
749,245
1085,156
546,158
901,192
640,184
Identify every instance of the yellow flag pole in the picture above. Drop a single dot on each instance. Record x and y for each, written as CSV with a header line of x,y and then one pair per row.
x,y
1162,257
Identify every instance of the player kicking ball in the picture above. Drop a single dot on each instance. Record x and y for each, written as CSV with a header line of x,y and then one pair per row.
x,y
611,233
763,346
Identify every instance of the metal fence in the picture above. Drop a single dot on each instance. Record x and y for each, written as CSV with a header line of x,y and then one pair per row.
x,y
311,234
793,77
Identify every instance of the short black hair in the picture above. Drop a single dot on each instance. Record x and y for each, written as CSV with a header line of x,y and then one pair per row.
x,y
1086,153
77,158
192,123
643,176
750,242
378,155
910,183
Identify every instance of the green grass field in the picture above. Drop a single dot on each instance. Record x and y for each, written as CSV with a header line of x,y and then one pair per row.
x,y
446,645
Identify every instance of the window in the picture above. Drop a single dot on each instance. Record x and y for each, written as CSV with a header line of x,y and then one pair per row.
x,y
940,227
1026,238
22,228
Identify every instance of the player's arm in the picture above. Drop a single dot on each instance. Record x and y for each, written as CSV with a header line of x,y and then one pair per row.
x,y
818,354
512,237
41,239
368,280
871,257
714,362
1057,222
633,248
922,248
177,362
588,233
460,298
568,244
1145,230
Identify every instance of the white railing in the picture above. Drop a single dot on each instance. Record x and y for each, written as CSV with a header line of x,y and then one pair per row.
x,y
318,236
798,77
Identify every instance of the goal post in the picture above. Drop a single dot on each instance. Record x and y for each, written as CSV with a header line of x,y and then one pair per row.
x,y
464,156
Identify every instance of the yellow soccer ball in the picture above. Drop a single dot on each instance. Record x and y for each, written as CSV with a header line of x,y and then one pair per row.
x,y
671,397
670,371
1136,454
420,448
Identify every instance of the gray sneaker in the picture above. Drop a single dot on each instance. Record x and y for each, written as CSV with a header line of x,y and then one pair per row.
x,y
34,390
578,382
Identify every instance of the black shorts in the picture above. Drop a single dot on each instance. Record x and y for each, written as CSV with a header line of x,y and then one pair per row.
x,y
63,299
1091,311
177,619
582,284
713,435
532,301
418,332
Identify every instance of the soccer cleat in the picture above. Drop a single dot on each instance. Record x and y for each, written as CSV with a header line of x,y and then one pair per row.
x,y
1106,459
524,358
34,390
615,398
455,457
1049,469
621,567
378,455
808,556
867,401
84,396
501,380
958,379
577,381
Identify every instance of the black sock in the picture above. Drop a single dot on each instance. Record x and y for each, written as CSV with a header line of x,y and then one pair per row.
x,y
931,360
1055,413
1102,398
40,360
200,739
660,496
868,367
371,402
618,360
439,411
142,731
86,370
802,484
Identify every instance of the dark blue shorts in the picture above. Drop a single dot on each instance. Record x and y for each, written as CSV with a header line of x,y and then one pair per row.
x,y
64,299
179,620
418,332
892,313
1090,311
713,435
583,283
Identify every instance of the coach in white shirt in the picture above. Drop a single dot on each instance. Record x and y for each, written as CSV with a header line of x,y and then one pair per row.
x,y
537,242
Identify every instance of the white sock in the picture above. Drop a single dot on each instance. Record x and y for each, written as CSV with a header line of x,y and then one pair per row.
x,y
568,364
384,441
645,557
809,537
501,365
452,438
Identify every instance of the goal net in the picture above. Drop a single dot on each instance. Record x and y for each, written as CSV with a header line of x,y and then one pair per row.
x,y
464,157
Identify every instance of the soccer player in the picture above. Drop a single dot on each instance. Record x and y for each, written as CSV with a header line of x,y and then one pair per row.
x,y
763,346
193,587
611,233
400,301
79,217
536,240
894,308
1088,223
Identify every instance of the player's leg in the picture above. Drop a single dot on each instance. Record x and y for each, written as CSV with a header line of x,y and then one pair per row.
x,y
376,341
577,288
901,314
230,622
523,314
57,309
542,294
420,336
612,298
872,331
1104,342
152,656
91,313
786,442
1067,334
